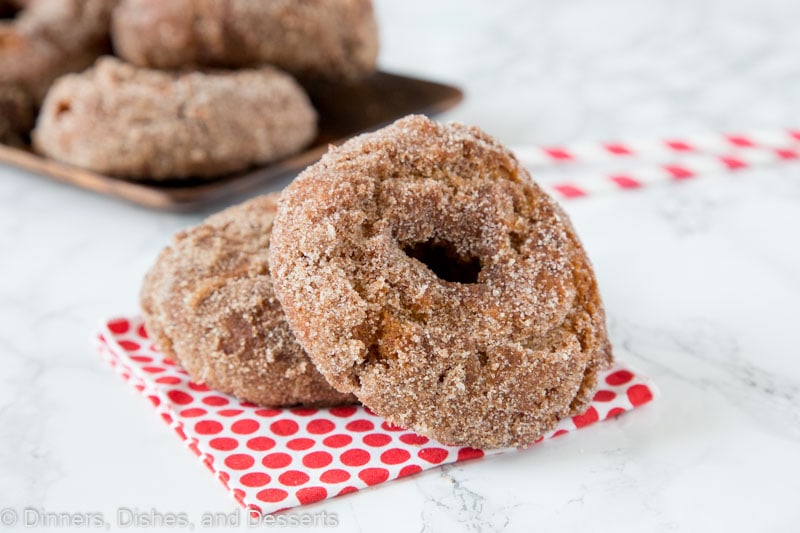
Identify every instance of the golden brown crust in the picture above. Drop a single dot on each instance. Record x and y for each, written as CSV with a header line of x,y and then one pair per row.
x,y
208,304
492,358
314,38
48,39
125,121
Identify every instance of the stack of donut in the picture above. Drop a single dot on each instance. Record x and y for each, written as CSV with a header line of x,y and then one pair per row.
x,y
197,89
417,269
41,40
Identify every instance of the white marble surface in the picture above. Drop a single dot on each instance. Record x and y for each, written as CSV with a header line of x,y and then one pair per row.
x,y
700,281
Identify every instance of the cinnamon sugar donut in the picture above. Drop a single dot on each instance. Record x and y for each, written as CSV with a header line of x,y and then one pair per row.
x,y
209,305
314,38
137,123
422,270
50,38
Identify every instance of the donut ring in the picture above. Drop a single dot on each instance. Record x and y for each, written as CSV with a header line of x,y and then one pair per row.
x,y
48,39
422,270
327,39
124,121
209,305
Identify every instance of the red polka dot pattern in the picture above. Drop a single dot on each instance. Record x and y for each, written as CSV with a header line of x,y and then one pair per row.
x,y
271,495
320,426
465,454
208,427
433,455
245,427
255,479
129,346
360,425
620,377
119,326
223,444
275,459
355,457
317,459
337,441
311,495
336,475
239,461
589,416
409,470
292,478
300,444
284,427
260,444
639,394
604,396
373,476
377,439
395,456
215,401
180,397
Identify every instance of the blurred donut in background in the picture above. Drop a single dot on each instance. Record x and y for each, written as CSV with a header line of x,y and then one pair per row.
x,y
316,39
130,122
46,39
40,40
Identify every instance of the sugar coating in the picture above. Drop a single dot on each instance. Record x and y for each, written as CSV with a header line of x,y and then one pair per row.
x,y
125,121
489,364
209,305
332,39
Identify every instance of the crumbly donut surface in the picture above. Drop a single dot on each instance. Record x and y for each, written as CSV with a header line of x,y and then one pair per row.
x,y
208,304
314,38
494,354
125,121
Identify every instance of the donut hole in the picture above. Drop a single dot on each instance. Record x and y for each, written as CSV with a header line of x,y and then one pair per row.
x,y
444,260
63,107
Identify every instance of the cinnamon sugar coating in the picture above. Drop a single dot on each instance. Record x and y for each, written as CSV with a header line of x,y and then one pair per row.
x,y
125,121
332,39
208,304
424,271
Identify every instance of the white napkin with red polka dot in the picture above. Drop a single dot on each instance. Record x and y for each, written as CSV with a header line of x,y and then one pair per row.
x,y
275,459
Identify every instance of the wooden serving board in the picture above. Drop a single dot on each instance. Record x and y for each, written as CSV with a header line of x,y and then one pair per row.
x,y
344,111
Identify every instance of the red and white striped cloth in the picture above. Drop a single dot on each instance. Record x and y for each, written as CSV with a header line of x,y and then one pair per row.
x,y
694,155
